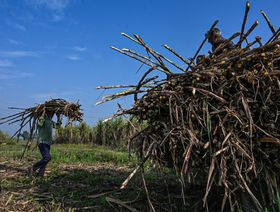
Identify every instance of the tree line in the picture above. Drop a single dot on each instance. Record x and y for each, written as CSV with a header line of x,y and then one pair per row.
x,y
115,133
3,136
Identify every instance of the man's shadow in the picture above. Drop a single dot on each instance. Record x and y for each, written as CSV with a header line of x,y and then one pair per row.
x,y
4,167
78,188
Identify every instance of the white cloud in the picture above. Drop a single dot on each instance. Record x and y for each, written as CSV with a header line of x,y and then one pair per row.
x,y
5,63
15,25
56,5
19,26
14,42
9,74
26,74
80,49
18,54
58,17
73,57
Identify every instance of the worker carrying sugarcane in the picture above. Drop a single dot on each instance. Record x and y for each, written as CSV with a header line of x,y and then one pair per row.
x,y
45,125
216,39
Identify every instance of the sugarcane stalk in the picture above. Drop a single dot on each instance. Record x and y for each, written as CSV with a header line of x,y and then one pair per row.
x,y
138,42
271,27
125,183
140,83
173,63
258,39
248,33
136,58
22,125
154,54
178,55
118,95
10,119
139,55
32,127
247,9
18,108
275,35
131,38
20,119
115,86
13,115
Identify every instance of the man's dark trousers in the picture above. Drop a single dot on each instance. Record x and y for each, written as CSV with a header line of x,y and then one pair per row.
x,y
46,157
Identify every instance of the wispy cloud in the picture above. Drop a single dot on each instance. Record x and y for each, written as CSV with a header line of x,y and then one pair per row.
x,y
6,63
58,16
55,6
9,74
15,25
51,4
80,49
18,54
73,57
14,42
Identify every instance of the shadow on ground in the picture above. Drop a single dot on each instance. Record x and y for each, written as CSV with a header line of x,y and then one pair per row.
x,y
92,188
65,187
82,188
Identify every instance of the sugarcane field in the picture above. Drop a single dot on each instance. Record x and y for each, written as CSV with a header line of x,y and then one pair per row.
x,y
181,116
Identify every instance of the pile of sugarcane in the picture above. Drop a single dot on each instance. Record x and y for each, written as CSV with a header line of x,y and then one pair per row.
x,y
217,122
28,117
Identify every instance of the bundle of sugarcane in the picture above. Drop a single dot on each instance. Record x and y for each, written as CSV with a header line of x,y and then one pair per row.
x,y
29,116
219,120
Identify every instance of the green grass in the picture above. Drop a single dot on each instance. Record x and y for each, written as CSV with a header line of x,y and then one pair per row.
x,y
71,154
277,207
78,172
75,173
11,149
87,154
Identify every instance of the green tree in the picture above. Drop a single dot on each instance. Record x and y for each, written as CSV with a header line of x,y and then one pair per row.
x,y
25,135
3,136
115,133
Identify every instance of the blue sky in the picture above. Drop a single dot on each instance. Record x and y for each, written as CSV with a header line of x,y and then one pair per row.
x,y
61,48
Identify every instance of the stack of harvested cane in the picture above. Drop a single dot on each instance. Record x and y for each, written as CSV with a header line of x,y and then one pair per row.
x,y
220,119
28,117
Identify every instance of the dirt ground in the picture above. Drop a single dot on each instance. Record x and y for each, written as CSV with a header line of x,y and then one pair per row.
x,y
64,188
92,186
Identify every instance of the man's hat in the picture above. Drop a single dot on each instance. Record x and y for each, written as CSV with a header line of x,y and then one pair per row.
x,y
214,31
